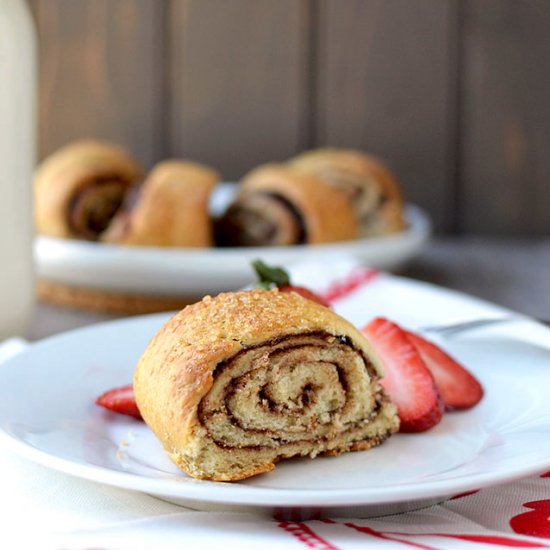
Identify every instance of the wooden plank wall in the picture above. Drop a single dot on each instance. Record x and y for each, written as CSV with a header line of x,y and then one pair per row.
x,y
239,79
505,106
101,73
452,93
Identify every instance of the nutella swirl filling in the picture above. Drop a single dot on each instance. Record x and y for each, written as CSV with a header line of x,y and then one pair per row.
x,y
301,388
93,207
261,219
120,222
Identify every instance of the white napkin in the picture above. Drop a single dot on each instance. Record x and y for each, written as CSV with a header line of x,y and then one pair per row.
x,y
45,509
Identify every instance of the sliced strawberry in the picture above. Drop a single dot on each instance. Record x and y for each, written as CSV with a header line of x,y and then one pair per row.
x,y
457,387
305,293
120,400
407,380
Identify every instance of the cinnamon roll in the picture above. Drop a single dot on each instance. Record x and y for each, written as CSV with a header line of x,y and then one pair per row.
x,y
277,206
170,208
369,185
233,384
79,189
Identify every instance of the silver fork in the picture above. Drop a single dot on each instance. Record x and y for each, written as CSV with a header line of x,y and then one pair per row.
x,y
451,329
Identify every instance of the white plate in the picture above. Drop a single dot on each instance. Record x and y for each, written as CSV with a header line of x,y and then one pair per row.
x,y
194,272
47,413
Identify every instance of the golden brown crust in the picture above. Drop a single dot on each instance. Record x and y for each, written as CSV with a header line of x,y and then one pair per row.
x,y
347,169
171,209
325,212
178,368
67,172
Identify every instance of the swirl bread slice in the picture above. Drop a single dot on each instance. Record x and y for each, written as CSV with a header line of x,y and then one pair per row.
x,y
233,384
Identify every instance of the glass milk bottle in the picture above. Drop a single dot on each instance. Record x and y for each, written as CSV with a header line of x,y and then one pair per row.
x,y
17,158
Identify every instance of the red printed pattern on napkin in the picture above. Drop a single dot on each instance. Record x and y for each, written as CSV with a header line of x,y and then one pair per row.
x,y
306,535
496,540
535,523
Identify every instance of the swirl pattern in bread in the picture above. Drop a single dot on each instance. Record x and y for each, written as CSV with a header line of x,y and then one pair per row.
x,y
80,187
367,182
276,206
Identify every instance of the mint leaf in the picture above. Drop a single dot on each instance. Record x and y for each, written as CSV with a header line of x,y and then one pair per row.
x,y
268,276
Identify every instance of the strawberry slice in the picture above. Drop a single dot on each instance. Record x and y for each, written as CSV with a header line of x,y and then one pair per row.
x,y
120,400
408,382
457,387
270,277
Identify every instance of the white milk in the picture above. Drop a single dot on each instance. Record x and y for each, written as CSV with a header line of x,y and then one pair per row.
x,y
17,157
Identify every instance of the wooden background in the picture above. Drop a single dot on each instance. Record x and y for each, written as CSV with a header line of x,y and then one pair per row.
x,y
454,94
